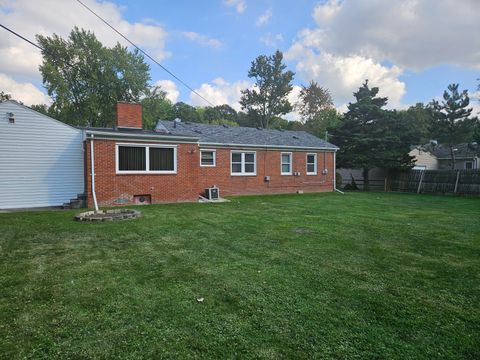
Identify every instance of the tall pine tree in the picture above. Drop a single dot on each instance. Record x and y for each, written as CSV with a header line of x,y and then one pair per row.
x,y
451,119
370,136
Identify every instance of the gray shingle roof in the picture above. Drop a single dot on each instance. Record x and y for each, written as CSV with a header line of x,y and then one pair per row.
x,y
464,150
238,135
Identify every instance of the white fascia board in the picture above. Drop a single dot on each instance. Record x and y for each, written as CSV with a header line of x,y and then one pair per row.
x,y
140,137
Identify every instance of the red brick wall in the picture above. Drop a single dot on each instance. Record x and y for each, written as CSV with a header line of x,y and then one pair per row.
x,y
129,115
191,179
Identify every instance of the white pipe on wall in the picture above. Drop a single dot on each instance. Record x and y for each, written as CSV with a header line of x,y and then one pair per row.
x,y
335,173
92,158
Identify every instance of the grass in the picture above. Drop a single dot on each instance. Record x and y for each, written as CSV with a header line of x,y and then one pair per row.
x,y
296,276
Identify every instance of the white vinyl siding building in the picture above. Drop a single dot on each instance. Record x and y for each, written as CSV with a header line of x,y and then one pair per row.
x,y
41,159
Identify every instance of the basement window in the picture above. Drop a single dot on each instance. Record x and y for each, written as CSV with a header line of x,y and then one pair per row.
x,y
207,158
311,164
141,159
243,163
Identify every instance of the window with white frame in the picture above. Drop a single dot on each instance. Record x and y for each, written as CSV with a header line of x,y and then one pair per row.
x,y
139,158
311,164
286,163
207,157
243,163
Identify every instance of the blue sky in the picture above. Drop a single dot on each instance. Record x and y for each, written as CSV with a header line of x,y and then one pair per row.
x,y
411,49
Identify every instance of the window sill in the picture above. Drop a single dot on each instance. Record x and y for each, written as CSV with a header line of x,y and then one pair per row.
x,y
243,174
145,172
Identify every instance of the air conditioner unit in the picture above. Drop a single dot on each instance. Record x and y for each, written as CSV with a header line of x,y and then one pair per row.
x,y
212,193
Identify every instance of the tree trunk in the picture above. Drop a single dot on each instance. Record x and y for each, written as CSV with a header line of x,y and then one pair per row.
x,y
452,153
366,182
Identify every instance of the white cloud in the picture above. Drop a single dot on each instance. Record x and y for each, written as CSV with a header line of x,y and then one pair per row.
x,y
293,98
239,5
271,40
220,92
27,93
475,103
343,75
170,88
410,33
21,60
265,17
202,39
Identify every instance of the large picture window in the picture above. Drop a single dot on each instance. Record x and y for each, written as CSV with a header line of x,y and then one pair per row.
x,y
139,158
243,163
286,163
311,164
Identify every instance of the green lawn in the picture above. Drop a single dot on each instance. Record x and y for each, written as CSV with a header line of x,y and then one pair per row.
x,y
392,276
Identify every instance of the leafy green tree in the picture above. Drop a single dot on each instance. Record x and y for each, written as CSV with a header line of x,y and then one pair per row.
x,y
156,106
4,96
452,123
244,119
268,98
85,79
224,122
369,137
211,114
313,100
325,120
417,123
219,112
43,109
185,112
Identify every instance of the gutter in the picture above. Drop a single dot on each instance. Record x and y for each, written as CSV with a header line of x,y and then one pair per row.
x,y
168,138
92,159
335,174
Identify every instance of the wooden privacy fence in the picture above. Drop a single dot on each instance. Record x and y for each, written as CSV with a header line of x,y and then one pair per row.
x,y
459,182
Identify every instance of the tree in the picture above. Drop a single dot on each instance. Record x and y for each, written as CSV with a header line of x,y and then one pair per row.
x,y
451,119
4,96
219,112
268,98
155,106
85,79
326,120
417,123
313,99
369,136
185,112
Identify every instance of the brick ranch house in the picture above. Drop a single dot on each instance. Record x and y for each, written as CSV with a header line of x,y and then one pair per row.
x,y
177,161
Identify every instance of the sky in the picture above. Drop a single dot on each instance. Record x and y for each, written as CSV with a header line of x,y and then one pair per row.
x,y
410,49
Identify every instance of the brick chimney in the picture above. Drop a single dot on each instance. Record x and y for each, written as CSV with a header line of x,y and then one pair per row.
x,y
129,115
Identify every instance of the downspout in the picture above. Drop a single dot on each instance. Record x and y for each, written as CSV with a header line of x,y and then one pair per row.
x,y
335,173
92,159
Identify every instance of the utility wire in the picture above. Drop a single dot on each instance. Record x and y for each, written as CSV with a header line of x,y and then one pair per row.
x,y
21,37
145,53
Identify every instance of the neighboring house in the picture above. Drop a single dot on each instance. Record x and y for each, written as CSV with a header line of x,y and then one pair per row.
x,y
423,158
437,157
41,159
177,161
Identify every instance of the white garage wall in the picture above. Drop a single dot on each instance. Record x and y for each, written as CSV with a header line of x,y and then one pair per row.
x,y
41,159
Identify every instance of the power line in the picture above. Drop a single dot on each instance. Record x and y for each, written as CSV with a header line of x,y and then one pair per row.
x,y
21,37
144,53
